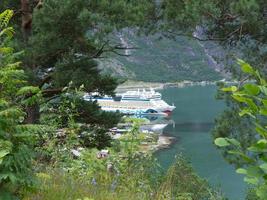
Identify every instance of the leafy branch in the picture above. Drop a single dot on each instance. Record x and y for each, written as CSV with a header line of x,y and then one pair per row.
x,y
252,98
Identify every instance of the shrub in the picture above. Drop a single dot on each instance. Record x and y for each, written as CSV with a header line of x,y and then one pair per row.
x,y
252,97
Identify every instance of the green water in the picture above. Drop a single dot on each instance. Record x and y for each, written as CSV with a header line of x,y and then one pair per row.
x,y
194,115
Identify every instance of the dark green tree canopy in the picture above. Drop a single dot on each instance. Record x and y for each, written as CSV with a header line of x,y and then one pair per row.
x,y
76,33
62,39
240,26
69,28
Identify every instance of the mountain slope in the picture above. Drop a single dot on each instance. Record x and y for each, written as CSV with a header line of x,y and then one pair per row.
x,y
161,60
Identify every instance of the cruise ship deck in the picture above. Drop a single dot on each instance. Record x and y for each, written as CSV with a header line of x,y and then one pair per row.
x,y
126,104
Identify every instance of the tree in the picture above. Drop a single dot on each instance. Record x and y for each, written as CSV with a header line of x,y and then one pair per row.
x,y
65,38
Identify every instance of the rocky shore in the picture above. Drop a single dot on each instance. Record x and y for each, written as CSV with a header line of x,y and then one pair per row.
x,y
164,142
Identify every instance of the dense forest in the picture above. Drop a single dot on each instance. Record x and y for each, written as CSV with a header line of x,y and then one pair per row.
x,y
52,52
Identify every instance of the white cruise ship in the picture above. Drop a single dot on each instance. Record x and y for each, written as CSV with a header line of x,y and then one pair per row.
x,y
133,103
140,94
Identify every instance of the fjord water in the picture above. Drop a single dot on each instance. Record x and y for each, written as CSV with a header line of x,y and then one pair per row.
x,y
196,109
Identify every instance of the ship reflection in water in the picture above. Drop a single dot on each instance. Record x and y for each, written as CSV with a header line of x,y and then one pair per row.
x,y
155,124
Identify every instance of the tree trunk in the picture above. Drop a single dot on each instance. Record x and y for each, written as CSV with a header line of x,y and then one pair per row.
x,y
33,114
26,19
265,12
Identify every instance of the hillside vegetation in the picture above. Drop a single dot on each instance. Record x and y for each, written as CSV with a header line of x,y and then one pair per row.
x,y
158,59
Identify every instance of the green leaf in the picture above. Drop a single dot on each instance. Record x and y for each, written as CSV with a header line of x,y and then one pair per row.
x,y
262,141
254,171
3,176
260,146
264,167
243,156
246,100
264,101
9,31
3,103
263,111
262,131
233,141
263,89
262,81
6,50
229,89
257,150
241,171
252,89
246,111
28,90
246,68
253,181
240,98
221,142
3,153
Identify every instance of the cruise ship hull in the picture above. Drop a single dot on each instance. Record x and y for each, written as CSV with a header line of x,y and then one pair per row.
x,y
150,108
134,103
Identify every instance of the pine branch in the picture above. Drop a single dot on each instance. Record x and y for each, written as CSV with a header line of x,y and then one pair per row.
x,y
51,92
106,48
225,38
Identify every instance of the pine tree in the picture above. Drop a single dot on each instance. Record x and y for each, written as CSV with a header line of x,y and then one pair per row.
x,y
63,39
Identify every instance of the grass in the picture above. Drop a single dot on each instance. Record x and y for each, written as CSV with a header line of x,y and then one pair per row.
x,y
142,179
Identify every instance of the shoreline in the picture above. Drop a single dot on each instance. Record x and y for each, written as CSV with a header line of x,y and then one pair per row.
x,y
164,142
133,85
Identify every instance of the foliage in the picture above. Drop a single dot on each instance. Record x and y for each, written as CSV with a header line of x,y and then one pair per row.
x,y
126,173
240,26
64,39
190,14
252,100
16,140
71,113
181,182
251,194
140,180
229,124
75,39
134,177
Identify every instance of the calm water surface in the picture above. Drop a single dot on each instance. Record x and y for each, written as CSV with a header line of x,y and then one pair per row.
x,y
194,115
